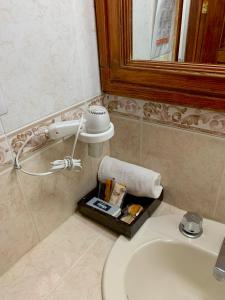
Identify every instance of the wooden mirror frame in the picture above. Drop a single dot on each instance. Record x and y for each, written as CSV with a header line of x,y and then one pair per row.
x,y
195,85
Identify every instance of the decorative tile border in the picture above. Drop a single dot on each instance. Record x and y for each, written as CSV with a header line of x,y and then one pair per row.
x,y
5,153
16,138
198,120
206,121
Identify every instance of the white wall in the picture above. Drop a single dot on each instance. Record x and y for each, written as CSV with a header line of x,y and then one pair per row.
x,y
143,22
48,57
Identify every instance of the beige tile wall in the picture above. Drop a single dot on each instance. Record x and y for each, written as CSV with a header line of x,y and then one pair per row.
x,y
191,163
32,207
57,267
17,231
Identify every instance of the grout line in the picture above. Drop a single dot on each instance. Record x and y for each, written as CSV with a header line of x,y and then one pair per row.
x,y
169,125
218,193
73,265
28,209
120,115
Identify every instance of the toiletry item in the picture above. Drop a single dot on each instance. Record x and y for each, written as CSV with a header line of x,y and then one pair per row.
x,y
127,219
107,208
134,210
113,183
131,212
139,181
118,194
108,189
100,187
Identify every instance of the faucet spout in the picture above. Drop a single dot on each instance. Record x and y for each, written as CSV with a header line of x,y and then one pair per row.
x,y
219,269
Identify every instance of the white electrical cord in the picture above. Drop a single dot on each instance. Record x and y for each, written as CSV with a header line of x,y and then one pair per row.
x,y
58,165
69,162
77,135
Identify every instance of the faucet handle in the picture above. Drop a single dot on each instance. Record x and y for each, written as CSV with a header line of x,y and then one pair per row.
x,y
191,225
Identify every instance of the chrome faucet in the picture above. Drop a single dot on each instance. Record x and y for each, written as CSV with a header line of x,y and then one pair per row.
x,y
219,269
191,225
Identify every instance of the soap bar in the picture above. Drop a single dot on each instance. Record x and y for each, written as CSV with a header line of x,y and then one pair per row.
x,y
127,219
106,207
134,210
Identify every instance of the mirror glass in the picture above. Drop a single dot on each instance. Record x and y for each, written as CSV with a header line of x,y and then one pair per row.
x,y
178,31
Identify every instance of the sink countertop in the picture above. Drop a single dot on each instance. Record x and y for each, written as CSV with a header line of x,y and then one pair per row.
x,y
67,264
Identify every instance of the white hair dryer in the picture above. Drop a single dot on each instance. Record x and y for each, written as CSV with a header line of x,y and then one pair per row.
x,y
95,130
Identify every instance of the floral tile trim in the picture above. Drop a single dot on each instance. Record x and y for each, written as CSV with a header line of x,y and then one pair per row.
x,y
76,112
37,142
123,105
5,153
206,121
96,101
18,137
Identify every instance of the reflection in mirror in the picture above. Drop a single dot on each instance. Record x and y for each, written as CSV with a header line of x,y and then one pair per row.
x,y
178,30
156,28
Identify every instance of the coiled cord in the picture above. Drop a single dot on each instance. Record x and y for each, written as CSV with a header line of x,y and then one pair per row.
x,y
68,162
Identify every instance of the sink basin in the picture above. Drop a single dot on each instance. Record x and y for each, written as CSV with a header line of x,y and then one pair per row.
x,y
183,272
160,263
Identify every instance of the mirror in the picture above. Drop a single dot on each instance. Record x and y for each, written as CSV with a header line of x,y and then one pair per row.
x,y
179,31
198,83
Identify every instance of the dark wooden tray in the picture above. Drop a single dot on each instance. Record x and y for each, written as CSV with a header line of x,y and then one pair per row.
x,y
116,224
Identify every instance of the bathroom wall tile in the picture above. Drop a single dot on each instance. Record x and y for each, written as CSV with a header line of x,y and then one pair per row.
x,y
5,154
220,205
101,229
184,144
18,137
42,269
97,100
48,57
124,105
167,209
126,143
191,165
17,231
52,199
90,267
97,160
193,119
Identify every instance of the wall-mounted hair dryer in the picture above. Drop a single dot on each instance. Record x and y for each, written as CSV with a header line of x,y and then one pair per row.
x,y
96,128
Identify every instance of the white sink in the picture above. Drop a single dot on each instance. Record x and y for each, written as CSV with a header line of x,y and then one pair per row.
x,y
160,263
